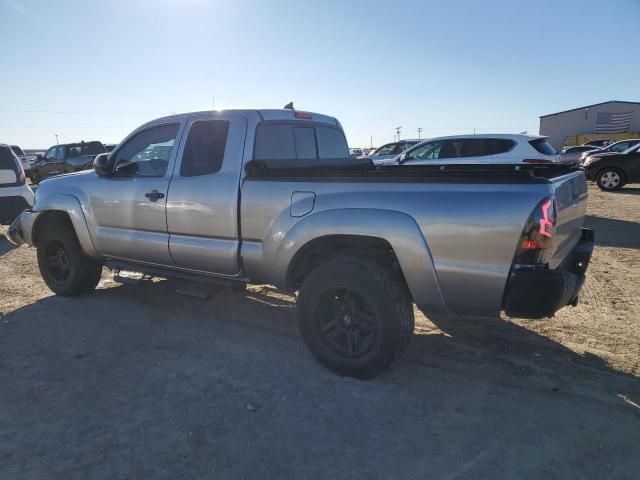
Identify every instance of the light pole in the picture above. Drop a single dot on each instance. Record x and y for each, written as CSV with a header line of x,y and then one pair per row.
x,y
419,132
398,132
56,138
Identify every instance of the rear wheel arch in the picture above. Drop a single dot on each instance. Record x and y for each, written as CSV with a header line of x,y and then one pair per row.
x,y
392,237
320,249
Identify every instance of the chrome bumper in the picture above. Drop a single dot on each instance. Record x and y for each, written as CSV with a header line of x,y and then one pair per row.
x,y
22,227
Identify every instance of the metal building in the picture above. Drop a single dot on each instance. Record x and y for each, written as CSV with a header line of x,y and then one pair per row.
x,y
613,119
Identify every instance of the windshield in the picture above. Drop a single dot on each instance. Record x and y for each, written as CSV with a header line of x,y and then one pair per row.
x,y
17,150
632,149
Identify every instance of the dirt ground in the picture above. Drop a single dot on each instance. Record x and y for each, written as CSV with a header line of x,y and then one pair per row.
x,y
139,382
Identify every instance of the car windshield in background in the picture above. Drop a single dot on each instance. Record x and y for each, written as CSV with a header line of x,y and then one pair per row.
x,y
631,149
393,148
17,150
83,149
542,146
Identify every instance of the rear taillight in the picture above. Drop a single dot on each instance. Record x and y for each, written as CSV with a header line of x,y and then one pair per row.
x,y
536,160
537,234
305,115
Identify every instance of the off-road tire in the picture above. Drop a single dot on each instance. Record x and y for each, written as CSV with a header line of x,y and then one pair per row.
x,y
83,272
605,179
385,297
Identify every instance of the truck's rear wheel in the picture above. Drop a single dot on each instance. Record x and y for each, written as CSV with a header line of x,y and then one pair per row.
x,y
354,316
65,268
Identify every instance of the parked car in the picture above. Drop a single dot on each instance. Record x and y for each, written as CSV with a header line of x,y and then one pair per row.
x,y
356,151
598,143
272,196
24,159
617,147
479,149
574,154
612,171
367,152
391,150
66,158
15,194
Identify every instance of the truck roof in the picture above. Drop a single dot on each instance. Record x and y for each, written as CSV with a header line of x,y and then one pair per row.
x,y
259,114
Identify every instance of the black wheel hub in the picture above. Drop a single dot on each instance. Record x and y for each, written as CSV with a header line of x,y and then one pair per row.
x,y
58,261
347,325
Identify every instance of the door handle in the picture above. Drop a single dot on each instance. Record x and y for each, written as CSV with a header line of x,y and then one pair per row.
x,y
154,195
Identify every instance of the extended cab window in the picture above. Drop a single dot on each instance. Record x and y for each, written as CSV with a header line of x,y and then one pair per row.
x,y
146,154
204,150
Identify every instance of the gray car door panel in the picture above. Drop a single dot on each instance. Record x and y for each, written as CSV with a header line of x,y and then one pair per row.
x,y
202,209
130,211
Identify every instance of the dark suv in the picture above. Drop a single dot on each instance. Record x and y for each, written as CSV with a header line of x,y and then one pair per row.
x,y
66,158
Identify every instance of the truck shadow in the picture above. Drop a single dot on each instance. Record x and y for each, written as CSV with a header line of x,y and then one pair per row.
x,y
611,232
134,371
492,347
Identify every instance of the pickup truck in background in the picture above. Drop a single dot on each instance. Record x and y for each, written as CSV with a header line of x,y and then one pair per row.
x,y
70,157
272,196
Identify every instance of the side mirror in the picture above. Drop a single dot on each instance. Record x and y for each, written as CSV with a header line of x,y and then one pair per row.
x,y
39,157
102,165
403,158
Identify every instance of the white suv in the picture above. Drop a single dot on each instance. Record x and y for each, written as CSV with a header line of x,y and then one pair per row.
x,y
15,194
478,149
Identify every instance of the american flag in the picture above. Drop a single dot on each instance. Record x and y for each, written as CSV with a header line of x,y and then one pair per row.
x,y
613,122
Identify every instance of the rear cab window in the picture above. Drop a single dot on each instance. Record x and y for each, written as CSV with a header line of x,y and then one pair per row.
x,y
299,141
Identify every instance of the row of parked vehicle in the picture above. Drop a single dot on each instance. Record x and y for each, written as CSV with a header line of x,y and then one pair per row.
x,y
610,164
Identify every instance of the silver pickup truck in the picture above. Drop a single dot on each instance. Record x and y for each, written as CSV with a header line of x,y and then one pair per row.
x,y
272,196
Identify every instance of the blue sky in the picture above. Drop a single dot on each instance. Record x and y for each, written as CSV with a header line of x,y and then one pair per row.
x,y
96,70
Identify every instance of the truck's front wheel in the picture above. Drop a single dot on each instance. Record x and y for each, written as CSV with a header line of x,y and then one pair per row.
x,y
65,268
354,316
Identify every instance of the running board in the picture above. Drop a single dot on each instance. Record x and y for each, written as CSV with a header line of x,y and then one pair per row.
x,y
161,272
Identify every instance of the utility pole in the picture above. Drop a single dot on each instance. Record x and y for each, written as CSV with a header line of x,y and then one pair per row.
x,y
419,132
213,102
371,142
398,132
56,138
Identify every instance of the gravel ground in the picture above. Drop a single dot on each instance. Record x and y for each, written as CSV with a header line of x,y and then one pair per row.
x,y
138,382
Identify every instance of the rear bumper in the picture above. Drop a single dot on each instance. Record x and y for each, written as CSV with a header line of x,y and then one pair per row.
x,y
538,292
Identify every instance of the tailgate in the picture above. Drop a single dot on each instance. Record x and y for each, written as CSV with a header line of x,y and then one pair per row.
x,y
570,192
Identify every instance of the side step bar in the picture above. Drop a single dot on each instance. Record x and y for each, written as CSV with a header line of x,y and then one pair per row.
x,y
152,271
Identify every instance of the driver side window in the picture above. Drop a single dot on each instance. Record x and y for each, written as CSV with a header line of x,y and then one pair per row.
x,y
146,154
